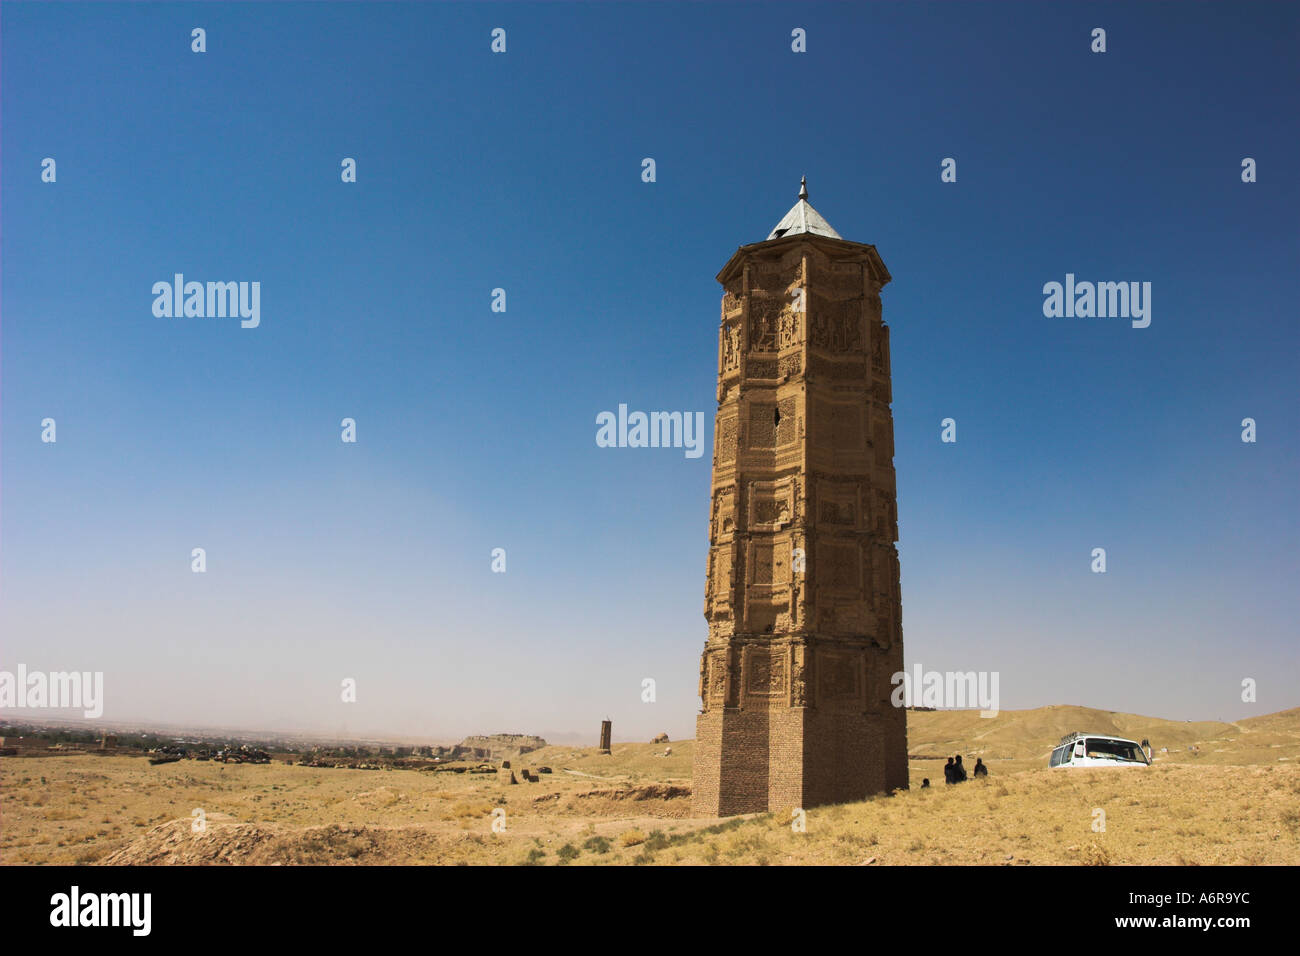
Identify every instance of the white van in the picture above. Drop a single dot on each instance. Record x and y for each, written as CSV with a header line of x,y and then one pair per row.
x,y
1098,750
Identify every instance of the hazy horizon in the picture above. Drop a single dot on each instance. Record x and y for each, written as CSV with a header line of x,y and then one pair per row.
x,y
565,738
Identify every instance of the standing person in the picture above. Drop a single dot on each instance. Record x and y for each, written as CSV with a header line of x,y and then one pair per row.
x,y
947,772
958,771
980,770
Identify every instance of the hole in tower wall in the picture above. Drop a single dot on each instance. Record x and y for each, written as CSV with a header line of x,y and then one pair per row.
x,y
776,416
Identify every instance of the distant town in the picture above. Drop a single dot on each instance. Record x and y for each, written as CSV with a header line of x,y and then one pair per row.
x,y
46,740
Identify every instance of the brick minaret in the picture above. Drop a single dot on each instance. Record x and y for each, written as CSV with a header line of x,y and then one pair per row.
x,y
802,596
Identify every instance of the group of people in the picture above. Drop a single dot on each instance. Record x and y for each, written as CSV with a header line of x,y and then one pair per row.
x,y
955,772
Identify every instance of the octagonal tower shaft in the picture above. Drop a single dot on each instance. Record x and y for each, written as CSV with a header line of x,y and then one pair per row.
x,y
802,594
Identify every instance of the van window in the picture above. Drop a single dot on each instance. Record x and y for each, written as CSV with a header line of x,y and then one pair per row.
x,y
1056,758
1104,749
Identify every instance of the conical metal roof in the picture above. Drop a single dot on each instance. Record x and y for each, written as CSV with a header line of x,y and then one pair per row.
x,y
803,218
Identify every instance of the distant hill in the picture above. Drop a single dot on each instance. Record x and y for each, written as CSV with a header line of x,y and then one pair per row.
x,y
1031,734
1284,722
1013,740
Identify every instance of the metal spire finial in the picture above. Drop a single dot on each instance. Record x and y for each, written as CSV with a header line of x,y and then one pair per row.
x,y
803,188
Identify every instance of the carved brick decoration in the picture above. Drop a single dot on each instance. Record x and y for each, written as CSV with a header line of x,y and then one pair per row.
x,y
794,678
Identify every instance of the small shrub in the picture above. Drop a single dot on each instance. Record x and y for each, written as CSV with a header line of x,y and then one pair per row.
x,y
465,811
568,852
632,838
596,844
1094,854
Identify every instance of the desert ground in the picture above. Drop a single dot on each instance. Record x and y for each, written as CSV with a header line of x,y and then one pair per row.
x,y
1236,800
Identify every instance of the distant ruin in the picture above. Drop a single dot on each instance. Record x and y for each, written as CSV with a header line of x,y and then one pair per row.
x,y
497,746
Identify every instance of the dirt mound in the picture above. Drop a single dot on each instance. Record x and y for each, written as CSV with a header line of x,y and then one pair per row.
x,y
653,800
258,844
653,791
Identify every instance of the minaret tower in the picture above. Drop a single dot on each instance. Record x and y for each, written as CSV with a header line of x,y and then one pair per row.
x,y
802,596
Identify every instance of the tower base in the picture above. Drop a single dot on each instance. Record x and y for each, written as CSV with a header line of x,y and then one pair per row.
x,y
757,760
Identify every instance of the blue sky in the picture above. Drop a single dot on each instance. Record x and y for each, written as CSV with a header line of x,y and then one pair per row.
x,y
476,429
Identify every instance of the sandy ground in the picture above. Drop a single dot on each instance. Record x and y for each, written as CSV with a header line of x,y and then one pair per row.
x,y
1234,800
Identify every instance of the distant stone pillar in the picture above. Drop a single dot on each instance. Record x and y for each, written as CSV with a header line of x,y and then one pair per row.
x,y
605,727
